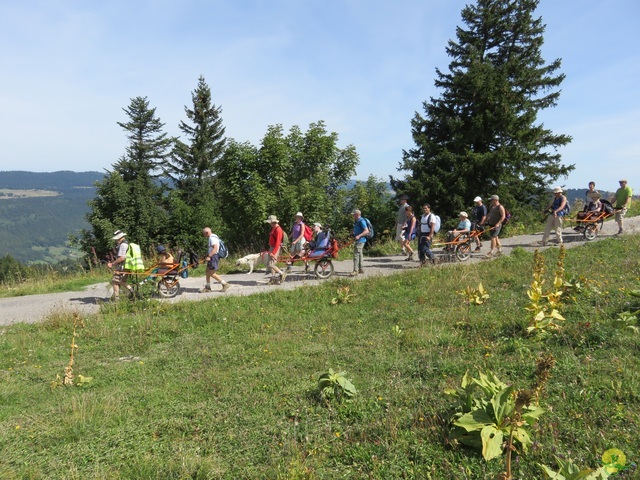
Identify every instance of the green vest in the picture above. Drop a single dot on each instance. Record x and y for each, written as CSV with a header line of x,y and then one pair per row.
x,y
133,261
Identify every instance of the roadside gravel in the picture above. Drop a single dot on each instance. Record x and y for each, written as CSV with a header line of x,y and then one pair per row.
x,y
35,308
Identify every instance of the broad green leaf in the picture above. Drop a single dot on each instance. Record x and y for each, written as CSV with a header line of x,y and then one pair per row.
x,y
473,421
523,438
503,404
491,442
551,474
532,414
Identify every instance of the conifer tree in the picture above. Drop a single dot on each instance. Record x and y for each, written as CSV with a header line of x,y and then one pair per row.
x,y
193,160
482,134
129,198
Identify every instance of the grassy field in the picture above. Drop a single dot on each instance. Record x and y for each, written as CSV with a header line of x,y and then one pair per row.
x,y
228,388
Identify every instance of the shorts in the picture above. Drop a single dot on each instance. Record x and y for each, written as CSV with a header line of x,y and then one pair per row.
x,y
119,278
212,264
620,214
296,248
495,231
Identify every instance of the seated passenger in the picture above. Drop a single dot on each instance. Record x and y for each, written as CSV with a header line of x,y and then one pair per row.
x,y
165,260
592,210
464,226
319,245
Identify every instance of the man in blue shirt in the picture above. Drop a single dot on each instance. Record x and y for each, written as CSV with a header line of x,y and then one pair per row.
x,y
360,232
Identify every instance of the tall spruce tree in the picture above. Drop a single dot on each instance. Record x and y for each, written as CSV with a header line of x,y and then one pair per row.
x,y
482,135
193,170
193,162
129,198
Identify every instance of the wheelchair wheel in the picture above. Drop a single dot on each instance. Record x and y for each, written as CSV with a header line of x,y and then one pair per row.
x,y
168,288
323,268
591,231
463,251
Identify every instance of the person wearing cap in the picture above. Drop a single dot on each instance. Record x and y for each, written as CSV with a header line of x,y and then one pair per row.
x,y
276,235
297,236
409,232
478,217
318,246
464,226
556,210
165,260
119,278
360,232
212,259
401,219
495,218
622,200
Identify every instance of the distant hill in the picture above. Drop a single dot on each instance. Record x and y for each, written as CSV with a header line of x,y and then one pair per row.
x,y
36,228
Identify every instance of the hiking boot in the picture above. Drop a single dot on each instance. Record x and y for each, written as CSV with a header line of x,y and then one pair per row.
x,y
498,253
410,257
361,271
225,287
433,261
489,254
619,232
353,274
205,289
477,249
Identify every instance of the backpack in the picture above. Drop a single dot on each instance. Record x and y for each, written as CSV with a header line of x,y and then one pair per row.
x,y
436,220
567,208
223,251
308,233
133,260
369,235
507,216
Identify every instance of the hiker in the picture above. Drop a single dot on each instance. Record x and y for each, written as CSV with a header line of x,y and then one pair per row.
x,y
360,232
591,194
297,237
401,219
478,216
165,259
409,232
276,236
425,235
556,212
212,259
119,278
495,218
622,200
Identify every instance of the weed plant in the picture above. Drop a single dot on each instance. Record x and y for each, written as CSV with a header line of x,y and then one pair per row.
x,y
227,388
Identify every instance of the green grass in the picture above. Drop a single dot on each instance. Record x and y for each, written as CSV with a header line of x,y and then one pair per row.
x,y
227,388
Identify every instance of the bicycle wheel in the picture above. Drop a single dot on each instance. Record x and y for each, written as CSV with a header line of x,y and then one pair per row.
x,y
591,231
463,251
323,268
168,288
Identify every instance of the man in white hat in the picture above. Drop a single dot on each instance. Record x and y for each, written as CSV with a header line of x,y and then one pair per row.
x,y
276,236
212,259
556,212
119,278
401,220
621,201
478,217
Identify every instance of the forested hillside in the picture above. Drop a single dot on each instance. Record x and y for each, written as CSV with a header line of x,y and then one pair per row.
x,y
37,229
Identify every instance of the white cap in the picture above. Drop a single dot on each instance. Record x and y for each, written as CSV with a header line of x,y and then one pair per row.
x,y
477,199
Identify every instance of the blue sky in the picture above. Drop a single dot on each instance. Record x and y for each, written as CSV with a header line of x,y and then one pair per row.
x,y
362,66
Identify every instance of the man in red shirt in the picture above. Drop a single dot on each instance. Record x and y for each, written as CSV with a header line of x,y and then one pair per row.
x,y
275,244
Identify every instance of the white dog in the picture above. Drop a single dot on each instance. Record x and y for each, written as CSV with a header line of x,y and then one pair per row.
x,y
252,260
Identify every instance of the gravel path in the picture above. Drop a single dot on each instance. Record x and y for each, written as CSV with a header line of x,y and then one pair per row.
x,y
35,308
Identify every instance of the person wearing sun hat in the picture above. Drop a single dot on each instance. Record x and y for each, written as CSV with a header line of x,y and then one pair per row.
x,y
297,237
622,200
119,278
556,211
276,236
